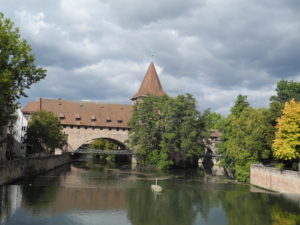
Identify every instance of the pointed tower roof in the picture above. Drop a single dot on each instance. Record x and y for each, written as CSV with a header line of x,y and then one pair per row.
x,y
150,84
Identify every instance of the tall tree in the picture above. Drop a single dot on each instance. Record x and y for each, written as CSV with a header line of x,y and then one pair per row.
x,y
185,131
167,131
245,139
287,137
285,91
45,132
215,120
17,69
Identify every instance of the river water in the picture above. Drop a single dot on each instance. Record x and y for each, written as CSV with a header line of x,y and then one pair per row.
x,y
88,193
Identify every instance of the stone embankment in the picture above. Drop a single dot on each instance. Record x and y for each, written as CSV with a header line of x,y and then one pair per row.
x,y
21,168
274,179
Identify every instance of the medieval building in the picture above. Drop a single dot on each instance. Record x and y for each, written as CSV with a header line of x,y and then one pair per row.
x,y
85,121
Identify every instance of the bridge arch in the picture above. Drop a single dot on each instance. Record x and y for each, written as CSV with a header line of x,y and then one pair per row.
x,y
120,144
80,136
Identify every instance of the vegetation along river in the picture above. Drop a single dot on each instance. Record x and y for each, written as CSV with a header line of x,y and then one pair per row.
x,y
89,193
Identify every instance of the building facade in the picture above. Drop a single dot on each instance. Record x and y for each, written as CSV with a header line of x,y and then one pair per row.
x,y
85,121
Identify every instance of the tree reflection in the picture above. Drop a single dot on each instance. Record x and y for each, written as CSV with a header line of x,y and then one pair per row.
x,y
39,192
280,216
182,204
174,206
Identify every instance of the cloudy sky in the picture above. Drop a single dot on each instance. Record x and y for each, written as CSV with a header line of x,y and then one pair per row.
x,y
99,50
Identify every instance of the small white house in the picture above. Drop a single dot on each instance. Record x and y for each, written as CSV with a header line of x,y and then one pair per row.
x,y
20,129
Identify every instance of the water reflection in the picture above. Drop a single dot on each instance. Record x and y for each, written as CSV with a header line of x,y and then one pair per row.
x,y
10,201
81,194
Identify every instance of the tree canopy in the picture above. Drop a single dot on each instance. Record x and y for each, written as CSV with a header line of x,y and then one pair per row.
x,y
45,133
286,145
17,69
245,140
215,120
167,131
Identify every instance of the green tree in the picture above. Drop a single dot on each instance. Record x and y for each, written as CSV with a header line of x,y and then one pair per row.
x,y
215,121
104,144
45,132
17,69
167,131
185,131
224,147
287,137
245,140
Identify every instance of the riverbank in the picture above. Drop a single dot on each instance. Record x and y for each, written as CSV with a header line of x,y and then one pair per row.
x,y
22,168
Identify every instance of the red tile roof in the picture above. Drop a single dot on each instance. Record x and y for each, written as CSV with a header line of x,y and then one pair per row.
x,y
84,113
150,85
215,133
31,107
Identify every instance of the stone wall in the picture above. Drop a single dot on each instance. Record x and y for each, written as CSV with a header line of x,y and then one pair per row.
x,y
78,136
15,169
274,179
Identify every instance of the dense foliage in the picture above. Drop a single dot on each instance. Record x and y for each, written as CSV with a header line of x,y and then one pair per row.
x,y
45,133
104,144
168,131
17,69
287,137
248,133
244,139
215,120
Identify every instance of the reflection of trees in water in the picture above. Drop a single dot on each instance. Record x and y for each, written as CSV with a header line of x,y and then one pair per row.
x,y
257,208
180,206
280,216
39,192
173,206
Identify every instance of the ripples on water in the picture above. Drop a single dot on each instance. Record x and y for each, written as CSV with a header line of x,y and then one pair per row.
x,y
93,194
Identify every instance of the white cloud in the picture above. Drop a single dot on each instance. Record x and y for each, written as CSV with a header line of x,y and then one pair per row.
x,y
100,49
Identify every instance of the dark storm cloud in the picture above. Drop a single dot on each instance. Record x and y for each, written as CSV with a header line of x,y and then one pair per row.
x,y
99,50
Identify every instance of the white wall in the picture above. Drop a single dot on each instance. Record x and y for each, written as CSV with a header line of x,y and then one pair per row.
x,y
20,129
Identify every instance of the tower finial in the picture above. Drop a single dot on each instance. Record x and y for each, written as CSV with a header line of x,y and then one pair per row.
x,y
152,55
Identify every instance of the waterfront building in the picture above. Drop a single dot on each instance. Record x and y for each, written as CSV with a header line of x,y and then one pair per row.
x,y
85,121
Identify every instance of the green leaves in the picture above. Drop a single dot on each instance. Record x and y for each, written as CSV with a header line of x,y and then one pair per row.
x,y
45,132
286,145
246,138
17,68
168,131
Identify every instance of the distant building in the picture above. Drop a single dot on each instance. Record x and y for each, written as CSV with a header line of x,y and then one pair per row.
x,y
84,121
19,134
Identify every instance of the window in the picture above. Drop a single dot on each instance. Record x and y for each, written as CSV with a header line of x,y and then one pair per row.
x,y
24,128
77,117
93,118
120,121
108,121
61,116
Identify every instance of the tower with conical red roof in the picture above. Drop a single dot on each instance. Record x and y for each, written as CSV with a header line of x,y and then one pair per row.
x,y
150,84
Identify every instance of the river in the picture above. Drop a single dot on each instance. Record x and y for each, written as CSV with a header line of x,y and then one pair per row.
x,y
90,193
